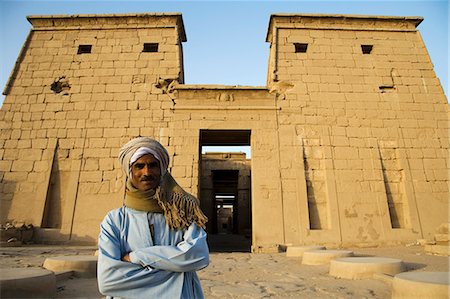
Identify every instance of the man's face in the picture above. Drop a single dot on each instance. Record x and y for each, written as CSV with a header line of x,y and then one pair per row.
x,y
145,173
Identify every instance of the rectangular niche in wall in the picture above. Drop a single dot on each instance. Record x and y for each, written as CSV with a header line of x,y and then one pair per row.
x,y
315,188
54,201
395,190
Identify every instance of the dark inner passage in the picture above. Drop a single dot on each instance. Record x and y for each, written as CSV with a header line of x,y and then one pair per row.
x,y
225,191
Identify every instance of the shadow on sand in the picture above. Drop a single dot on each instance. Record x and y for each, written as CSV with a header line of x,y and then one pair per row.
x,y
228,243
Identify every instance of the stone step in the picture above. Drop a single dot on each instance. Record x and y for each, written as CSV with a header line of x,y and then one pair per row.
x,y
424,285
438,249
81,265
364,267
27,283
321,257
441,237
297,251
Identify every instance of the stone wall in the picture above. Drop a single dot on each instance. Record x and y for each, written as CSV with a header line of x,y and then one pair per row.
x,y
371,129
348,147
67,113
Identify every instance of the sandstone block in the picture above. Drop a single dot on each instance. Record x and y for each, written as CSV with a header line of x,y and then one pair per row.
x,y
320,257
91,164
297,251
106,164
94,132
30,154
97,142
364,267
91,176
24,143
82,265
114,132
97,153
5,165
432,285
22,166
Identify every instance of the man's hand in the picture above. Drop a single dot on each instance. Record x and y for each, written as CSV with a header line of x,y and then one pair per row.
x,y
126,258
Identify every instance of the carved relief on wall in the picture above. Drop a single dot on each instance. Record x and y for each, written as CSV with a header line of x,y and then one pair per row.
x,y
138,79
225,97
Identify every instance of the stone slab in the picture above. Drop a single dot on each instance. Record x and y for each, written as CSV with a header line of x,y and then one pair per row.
x,y
27,283
438,249
424,285
81,265
442,237
297,251
364,267
321,257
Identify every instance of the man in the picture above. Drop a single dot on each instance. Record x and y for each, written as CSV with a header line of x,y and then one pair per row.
x,y
152,246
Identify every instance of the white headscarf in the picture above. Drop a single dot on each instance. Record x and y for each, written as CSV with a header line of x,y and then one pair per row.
x,y
138,147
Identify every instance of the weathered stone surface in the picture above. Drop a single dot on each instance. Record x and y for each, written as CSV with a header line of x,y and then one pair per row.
x,y
438,249
432,285
321,257
297,251
81,265
364,267
347,147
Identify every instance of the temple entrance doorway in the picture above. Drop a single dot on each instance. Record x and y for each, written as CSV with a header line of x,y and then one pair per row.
x,y
225,188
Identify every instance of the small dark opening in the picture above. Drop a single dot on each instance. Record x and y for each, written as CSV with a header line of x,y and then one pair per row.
x,y
83,49
366,49
150,47
300,47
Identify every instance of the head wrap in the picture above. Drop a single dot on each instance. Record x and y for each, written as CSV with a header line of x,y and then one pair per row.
x,y
140,146
180,208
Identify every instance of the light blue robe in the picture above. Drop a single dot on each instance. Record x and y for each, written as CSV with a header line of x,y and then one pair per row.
x,y
161,268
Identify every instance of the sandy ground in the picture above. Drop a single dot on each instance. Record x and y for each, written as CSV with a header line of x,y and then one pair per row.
x,y
246,275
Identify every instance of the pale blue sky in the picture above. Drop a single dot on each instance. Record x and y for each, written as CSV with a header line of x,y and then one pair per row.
x,y
226,39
